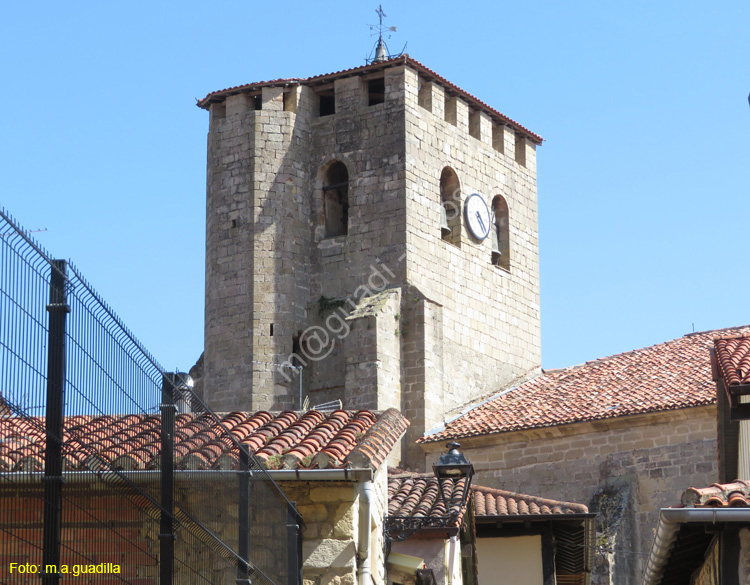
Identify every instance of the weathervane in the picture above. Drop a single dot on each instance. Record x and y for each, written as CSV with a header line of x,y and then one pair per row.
x,y
381,49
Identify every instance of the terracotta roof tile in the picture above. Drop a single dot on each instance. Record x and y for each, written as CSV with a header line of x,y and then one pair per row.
x,y
373,443
717,495
668,376
493,502
327,77
417,495
414,495
733,359
202,442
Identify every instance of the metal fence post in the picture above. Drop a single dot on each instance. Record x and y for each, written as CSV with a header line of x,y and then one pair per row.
x,y
58,310
243,541
294,545
166,528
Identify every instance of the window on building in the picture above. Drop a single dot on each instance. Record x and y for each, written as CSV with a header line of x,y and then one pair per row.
x,y
376,91
450,199
336,200
326,101
500,235
257,102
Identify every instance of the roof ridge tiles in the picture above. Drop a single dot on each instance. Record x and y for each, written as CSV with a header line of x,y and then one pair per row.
x,y
378,440
517,497
738,336
732,356
718,495
671,375
717,330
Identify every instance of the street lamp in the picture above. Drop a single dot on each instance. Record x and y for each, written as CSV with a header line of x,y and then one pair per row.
x,y
454,466
453,473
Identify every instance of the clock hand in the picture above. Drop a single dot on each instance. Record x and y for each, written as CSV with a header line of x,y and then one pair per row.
x,y
481,223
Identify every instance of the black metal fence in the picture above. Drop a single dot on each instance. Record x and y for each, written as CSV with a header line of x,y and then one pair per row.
x,y
110,468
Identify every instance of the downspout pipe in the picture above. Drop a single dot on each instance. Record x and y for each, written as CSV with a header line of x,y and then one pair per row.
x,y
365,528
670,520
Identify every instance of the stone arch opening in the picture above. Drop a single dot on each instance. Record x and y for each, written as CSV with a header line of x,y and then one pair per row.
x,y
450,201
500,233
336,200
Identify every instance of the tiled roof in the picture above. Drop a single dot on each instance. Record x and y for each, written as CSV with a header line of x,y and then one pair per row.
x,y
326,77
415,495
285,440
668,376
493,502
733,359
717,495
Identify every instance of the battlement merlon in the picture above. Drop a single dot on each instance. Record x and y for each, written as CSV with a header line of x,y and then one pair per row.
x,y
430,80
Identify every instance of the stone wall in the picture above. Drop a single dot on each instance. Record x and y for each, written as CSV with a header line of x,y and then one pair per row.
x,y
625,469
256,232
105,526
268,258
465,327
490,316
331,511
373,352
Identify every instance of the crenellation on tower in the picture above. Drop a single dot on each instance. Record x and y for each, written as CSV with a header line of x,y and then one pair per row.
x,y
338,240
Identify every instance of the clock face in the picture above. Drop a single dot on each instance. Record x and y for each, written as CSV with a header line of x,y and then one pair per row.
x,y
477,216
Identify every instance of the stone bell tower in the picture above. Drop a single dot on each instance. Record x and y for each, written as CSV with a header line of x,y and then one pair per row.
x,y
374,233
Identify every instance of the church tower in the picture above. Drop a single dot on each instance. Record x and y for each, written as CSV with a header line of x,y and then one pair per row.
x,y
372,233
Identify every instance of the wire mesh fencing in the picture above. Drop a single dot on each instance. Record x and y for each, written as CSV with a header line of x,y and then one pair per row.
x,y
111,468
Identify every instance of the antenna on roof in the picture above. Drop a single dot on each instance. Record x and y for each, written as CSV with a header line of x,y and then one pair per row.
x,y
381,49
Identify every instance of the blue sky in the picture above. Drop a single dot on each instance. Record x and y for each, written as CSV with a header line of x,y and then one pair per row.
x,y
643,177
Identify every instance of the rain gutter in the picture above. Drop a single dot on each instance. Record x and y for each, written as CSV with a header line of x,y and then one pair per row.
x,y
670,520
353,475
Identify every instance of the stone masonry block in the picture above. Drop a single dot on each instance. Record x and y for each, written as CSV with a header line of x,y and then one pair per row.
x,y
322,554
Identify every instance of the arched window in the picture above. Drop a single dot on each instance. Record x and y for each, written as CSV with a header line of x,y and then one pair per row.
x,y
336,200
450,200
501,233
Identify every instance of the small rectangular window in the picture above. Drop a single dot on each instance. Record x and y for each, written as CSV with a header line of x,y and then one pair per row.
x,y
327,103
258,102
376,91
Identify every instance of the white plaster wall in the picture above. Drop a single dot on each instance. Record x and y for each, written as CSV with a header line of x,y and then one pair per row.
x,y
510,561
